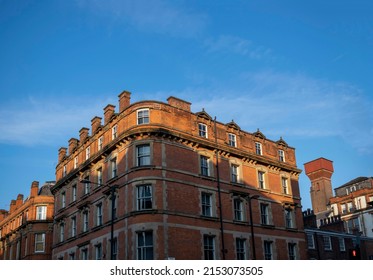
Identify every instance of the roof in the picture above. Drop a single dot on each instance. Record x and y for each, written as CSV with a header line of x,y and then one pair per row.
x,y
354,181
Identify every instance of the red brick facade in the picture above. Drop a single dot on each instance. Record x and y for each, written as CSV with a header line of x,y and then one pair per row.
x,y
179,191
26,229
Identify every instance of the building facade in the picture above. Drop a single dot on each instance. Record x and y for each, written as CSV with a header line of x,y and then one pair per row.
x,y
352,202
330,242
26,229
157,181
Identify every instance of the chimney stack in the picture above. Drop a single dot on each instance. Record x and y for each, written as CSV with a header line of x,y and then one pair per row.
x,y
124,100
34,189
61,154
95,124
108,112
73,143
83,134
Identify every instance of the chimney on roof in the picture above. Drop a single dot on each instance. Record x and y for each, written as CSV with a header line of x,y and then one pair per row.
x,y
124,100
34,189
12,206
179,103
73,143
61,154
108,112
95,124
83,134
19,200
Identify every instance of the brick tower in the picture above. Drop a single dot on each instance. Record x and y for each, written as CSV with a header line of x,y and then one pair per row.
x,y
320,171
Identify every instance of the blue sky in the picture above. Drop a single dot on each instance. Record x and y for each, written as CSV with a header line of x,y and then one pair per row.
x,y
301,70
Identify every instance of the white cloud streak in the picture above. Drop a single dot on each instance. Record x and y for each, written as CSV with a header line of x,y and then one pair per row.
x,y
47,121
287,105
290,105
237,45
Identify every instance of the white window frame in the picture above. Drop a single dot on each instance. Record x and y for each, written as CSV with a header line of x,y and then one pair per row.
x,y
62,232
232,140
238,209
285,185
144,196
204,165
73,226
143,154
143,116
241,252
289,218
39,241
41,212
73,192
75,162
281,155
87,185
264,214
258,148
206,204
114,132
209,247
261,180
99,218
202,130
113,167
63,199
310,241
87,153
100,143
143,247
235,178
85,221
100,177
327,243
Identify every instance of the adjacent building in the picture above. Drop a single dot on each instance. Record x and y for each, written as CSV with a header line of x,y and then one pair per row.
x,y
26,229
154,180
352,202
329,241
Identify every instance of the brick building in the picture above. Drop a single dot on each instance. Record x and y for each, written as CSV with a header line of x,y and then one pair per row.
x,y
157,181
329,241
352,202
26,229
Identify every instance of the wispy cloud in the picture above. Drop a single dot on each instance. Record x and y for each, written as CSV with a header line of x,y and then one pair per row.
x,y
47,121
150,15
290,105
237,45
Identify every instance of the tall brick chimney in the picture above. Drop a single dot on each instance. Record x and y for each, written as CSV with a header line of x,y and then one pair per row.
x,y
73,143
83,134
19,200
95,124
61,154
108,112
34,189
124,100
320,171
12,206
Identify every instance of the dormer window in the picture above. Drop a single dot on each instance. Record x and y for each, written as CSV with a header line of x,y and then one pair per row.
x,y
258,148
281,155
232,140
202,130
